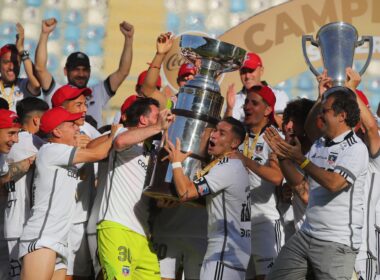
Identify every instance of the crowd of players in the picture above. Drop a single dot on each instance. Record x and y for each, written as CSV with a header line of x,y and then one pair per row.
x,y
292,187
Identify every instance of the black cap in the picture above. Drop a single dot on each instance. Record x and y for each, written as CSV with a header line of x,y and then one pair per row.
x,y
77,59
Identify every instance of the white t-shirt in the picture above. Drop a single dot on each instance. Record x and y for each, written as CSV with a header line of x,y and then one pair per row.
x,y
263,193
338,217
20,91
86,184
123,201
228,209
18,206
101,94
53,197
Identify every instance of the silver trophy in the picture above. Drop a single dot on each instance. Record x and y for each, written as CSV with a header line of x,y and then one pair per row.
x,y
337,42
197,110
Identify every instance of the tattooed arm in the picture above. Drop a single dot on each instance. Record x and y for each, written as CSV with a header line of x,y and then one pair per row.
x,y
17,170
302,191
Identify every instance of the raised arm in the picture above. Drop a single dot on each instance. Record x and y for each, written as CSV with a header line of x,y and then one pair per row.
x,y
136,135
186,189
33,85
368,121
96,152
117,77
41,57
230,100
311,129
163,46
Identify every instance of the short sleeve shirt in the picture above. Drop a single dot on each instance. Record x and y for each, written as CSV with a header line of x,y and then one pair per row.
x,y
338,217
228,209
53,194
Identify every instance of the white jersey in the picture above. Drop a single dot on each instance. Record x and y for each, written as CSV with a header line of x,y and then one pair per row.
x,y
4,169
101,94
18,206
263,193
19,91
228,209
55,183
86,183
123,201
338,217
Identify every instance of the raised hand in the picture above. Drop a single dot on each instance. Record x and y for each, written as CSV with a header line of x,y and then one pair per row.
x,y
48,25
20,37
324,83
165,119
353,79
164,43
81,140
174,152
231,96
127,29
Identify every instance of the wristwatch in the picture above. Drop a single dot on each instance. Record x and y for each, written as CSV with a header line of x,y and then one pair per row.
x,y
24,55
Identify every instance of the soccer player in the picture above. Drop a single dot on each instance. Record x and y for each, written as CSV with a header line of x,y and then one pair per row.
x,y
264,175
45,235
29,110
123,234
225,184
78,70
13,88
327,243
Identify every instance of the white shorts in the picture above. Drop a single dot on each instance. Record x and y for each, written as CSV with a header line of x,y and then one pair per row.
x,y
78,260
365,266
14,263
171,252
267,240
92,240
219,271
27,247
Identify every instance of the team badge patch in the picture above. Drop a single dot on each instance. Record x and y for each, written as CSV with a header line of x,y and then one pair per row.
x,y
332,158
202,186
259,148
125,270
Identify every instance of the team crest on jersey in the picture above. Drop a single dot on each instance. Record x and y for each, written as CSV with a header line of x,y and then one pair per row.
x,y
126,270
259,148
332,158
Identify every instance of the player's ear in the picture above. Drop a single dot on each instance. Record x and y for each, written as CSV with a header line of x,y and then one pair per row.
x,y
235,143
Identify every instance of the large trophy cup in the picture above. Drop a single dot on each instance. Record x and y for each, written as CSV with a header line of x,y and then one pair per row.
x,y
337,42
197,110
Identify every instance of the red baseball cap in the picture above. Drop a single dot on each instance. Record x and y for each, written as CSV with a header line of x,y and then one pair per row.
x,y
128,102
8,48
187,69
68,92
8,119
141,78
362,96
252,61
54,117
268,96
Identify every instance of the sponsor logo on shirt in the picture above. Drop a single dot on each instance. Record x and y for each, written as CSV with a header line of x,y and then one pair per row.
x,y
142,164
73,172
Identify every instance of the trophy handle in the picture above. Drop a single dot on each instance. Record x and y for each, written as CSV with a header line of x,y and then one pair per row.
x,y
306,38
364,39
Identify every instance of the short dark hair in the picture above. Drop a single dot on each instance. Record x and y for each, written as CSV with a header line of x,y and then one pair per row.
x,y
345,101
4,104
237,127
30,104
298,110
141,107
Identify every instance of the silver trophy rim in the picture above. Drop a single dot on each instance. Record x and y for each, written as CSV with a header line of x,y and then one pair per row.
x,y
340,23
229,61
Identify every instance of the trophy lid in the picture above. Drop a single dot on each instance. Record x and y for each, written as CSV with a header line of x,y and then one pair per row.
x,y
227,55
